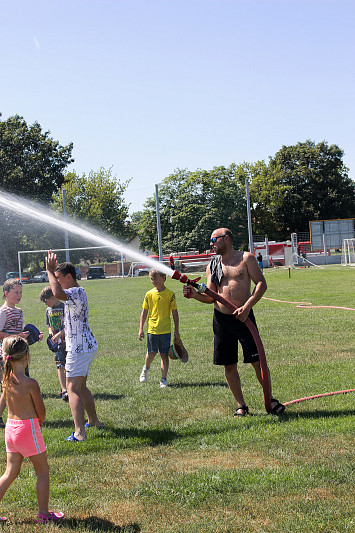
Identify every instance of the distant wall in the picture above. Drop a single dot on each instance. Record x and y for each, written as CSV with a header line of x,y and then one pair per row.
x,y
110,269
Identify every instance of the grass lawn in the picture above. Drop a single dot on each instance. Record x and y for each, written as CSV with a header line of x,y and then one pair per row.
x,y
176,460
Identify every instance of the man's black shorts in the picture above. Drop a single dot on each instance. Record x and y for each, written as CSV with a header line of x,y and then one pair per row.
x,y
228,330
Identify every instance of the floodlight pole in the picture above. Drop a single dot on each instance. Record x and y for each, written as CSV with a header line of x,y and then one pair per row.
x,y
251,242
324,246
160,246
19,266
66,237
267,250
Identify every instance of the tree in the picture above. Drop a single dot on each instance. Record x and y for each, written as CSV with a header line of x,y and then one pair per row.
x,y
32,165
301,183
96,199
192,205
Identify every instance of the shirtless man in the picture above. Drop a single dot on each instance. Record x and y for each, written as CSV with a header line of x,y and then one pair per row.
x,y
230,274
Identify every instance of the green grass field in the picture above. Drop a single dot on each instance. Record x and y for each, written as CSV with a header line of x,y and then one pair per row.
x,y
176,460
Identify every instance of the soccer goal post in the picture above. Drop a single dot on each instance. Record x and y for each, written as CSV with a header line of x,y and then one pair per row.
x,y
348,252
61,250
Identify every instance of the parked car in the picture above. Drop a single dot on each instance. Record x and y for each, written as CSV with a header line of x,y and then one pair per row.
x,y
95,273
141,270
78,273
40,277
25,276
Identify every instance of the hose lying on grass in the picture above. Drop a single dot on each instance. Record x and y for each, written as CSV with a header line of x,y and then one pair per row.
x,y
308,305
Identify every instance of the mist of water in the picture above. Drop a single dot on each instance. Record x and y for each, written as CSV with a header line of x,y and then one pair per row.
x,y
30,210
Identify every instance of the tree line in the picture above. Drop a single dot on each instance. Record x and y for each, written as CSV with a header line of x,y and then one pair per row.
x,y
303,182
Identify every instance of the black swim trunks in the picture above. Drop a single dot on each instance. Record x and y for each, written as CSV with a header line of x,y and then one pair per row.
x,y
228,330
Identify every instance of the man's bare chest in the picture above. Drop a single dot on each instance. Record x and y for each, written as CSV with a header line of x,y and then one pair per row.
x,y
234,272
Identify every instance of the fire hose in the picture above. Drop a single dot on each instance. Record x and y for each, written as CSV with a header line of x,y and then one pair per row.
x,y
203,289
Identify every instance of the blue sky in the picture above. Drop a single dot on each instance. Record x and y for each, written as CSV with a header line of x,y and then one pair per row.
x,y
148,86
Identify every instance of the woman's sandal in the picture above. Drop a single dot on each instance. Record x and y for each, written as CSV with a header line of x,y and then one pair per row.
x,y
278,408
242,410
53,517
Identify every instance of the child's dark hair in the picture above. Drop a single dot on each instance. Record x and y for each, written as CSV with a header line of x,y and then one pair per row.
x,y
46,293
10,284
14,348
66,268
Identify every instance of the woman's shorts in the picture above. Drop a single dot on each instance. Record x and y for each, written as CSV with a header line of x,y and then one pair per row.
x,y
78,364
228,330
24,437
158,343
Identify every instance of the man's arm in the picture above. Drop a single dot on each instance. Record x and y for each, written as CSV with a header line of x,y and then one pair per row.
x,y
191,292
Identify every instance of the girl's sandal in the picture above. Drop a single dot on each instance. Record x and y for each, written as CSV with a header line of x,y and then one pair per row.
x,y
53,517
3,519
242,410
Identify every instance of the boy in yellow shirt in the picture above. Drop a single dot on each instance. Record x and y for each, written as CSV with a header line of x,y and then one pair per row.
x,y
158,303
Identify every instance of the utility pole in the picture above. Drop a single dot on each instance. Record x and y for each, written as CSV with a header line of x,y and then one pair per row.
x,y
250,231
160,245
66,237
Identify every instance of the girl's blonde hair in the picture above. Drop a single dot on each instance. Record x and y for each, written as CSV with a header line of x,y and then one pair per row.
x,y
14,348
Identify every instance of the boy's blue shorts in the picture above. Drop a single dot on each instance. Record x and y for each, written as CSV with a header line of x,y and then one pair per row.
x,y
158,343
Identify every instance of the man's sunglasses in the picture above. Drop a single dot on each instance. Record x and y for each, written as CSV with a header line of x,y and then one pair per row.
x,y
214,239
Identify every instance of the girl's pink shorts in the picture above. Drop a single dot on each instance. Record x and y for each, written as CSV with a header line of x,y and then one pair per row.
x,y
24,437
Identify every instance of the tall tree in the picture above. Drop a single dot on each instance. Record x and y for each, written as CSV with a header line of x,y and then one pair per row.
x,y
301,183
192,205
32,165
97,199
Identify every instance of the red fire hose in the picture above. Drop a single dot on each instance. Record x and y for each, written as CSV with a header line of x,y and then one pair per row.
x,y
319,396
263,365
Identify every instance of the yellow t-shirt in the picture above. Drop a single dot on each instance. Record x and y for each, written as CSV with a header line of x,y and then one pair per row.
x,y
159,305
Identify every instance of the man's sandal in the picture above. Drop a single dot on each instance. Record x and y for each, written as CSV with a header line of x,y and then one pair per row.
x,y
278,408
242,410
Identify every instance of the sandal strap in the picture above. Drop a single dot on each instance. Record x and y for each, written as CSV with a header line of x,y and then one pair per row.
x,y
244,410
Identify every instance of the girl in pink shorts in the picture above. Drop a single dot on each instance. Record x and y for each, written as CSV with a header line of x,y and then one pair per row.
x,y
26,414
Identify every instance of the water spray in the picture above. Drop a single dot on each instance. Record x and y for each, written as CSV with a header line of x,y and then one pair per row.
x,y
39,213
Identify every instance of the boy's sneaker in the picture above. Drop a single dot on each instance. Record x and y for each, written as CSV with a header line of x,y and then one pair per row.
x,y
143,378
163,383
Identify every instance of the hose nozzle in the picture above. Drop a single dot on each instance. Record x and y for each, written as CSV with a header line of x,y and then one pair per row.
x,y
184,279
180,277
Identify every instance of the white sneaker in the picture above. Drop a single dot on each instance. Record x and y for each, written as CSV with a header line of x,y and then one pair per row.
x,y
163,383
143,378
